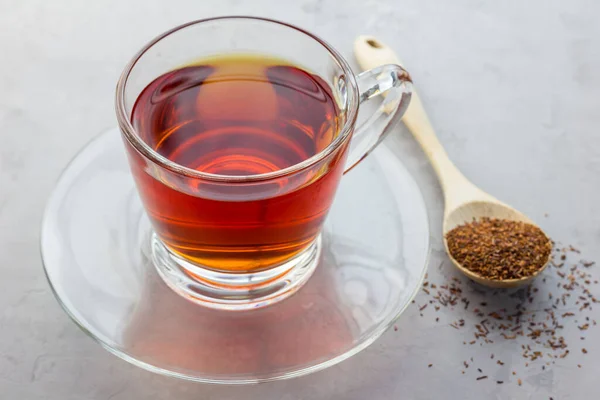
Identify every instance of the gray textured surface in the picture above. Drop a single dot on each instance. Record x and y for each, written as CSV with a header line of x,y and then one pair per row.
x,y
511,86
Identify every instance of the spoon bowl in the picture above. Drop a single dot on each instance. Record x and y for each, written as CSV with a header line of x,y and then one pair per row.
x,y
464,202
475,210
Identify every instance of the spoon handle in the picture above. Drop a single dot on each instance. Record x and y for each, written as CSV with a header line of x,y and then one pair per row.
x,y
371,52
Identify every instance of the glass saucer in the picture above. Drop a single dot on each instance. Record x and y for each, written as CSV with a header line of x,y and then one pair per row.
x,y
95,244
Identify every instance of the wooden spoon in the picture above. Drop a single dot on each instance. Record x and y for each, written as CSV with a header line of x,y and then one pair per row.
x,y
464,201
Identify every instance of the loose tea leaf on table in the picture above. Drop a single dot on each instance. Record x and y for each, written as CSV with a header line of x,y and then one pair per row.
x,y
538,321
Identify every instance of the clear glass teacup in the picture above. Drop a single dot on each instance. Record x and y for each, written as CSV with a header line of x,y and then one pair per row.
x,y
238,130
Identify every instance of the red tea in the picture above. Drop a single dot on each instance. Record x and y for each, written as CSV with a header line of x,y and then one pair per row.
x,y
238,116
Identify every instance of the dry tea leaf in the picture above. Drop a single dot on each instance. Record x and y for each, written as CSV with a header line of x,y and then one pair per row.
x,y
499,249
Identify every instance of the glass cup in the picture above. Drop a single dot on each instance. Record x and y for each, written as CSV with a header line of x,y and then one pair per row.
x,y
241,242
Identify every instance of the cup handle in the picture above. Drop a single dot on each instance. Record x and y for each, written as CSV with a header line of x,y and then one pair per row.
x,y
392,82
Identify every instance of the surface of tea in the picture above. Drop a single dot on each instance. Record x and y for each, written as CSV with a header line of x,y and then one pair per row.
x,y
238,116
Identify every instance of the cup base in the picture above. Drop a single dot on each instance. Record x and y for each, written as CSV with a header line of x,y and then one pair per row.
x,y
234,291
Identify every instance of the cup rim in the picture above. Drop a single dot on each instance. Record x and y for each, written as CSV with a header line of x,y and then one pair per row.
x,y
146,151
